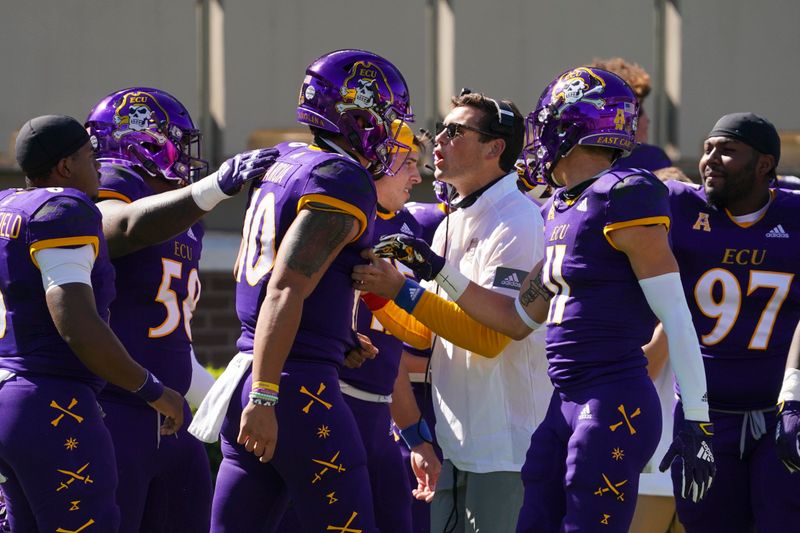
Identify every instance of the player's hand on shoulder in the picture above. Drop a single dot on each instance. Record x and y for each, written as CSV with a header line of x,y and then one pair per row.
x,y
241,168
692,446
258,431
170,404
787,434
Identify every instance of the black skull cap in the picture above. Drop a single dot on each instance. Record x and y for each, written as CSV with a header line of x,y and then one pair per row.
x,y
44,141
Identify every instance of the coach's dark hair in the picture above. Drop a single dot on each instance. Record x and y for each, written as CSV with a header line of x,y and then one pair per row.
x,y
491,122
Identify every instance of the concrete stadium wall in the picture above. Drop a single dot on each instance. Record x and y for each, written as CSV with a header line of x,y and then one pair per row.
x,y
60,57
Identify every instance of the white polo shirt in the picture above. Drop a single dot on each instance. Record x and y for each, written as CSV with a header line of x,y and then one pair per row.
x,y
486,409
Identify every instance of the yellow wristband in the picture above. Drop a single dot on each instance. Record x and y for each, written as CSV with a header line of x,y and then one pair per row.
x,y
265,385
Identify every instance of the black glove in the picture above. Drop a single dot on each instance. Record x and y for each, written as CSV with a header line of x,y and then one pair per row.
x,y
692,445
412,252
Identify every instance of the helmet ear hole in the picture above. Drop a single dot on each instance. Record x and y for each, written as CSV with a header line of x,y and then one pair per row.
x,y
355,141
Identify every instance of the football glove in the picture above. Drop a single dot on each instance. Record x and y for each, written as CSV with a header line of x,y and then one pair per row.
x,y
241,168
787,434
412,252
692,445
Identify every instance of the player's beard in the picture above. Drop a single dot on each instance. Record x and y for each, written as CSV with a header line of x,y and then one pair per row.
x,y
735,186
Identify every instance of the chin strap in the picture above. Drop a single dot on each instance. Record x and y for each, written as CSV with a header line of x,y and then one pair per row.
x,y
145,163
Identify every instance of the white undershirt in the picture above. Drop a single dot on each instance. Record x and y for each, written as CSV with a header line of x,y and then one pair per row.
x,y
752,217
60,266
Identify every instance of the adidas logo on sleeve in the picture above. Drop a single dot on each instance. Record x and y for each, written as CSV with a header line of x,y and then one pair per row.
x,y
508,278
777,233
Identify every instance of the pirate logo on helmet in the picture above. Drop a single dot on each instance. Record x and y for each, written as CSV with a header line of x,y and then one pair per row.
x,y
361,90
577,86
139,111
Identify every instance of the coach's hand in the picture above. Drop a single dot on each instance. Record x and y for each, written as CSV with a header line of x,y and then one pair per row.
x,y
258,431
787,434
241,168
412,252
692,446
379,278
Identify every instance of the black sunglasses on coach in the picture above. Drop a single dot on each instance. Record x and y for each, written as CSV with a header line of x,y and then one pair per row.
x,y
454,129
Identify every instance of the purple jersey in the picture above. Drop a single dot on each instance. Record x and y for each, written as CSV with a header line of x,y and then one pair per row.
x,y
32,220
739,283
599,318
305,177
378,375
157,290
428,215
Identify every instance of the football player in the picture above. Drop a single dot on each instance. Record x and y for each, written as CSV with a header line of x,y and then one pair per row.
x,y
735,240
368,388
56,348
151,197
305,224
608,273
373,387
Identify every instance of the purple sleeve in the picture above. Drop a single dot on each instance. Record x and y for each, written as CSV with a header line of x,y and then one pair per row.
x,y
64,217
120,183
638,199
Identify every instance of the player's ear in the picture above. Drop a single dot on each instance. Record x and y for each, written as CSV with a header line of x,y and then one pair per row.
x,y
62,168
766,162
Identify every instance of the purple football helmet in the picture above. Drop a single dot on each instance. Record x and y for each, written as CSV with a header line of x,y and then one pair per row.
x,y
586,106
149,128
358,95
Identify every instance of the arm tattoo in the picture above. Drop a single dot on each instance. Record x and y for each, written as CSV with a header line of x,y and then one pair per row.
x,y
536,289
319,234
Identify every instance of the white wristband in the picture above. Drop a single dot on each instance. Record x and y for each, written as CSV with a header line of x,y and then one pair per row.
x,y
790,391
453,282
531,323
207,193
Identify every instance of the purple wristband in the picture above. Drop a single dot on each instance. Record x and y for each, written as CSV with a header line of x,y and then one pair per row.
x,y
151,390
